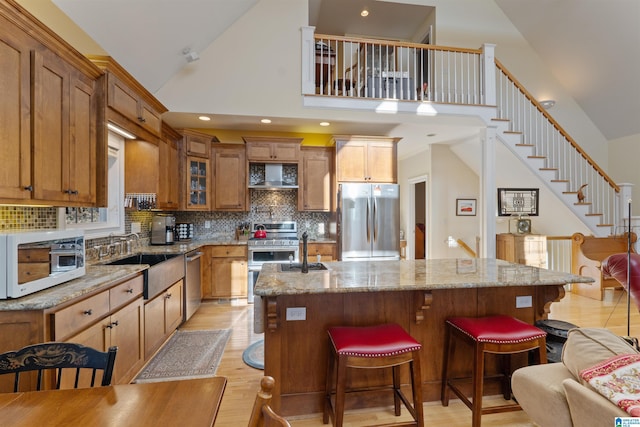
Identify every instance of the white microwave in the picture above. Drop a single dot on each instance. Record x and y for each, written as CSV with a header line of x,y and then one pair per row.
x,y
31,261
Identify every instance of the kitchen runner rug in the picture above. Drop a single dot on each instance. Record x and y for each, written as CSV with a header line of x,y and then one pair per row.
x,y
254,355
187,354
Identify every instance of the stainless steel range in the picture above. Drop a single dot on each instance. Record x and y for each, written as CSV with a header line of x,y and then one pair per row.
x,y
280,245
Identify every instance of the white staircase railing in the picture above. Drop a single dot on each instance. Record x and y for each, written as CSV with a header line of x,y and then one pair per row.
x,y
566,166
377,69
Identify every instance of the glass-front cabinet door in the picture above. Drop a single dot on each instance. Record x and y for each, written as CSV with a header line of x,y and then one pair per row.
x,y
198,183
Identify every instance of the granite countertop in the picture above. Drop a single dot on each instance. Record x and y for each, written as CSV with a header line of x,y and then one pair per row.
x,y
96,277
377,276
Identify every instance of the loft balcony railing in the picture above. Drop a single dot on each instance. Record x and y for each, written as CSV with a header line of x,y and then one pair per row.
x,y
378,69
362,68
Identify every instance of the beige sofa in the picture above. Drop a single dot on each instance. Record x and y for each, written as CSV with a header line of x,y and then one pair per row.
x,y
554,395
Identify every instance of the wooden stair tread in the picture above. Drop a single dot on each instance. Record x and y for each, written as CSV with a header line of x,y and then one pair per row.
x,y
500,120
583,203
548,169
559,180
605,225
515,132
594,214
524,145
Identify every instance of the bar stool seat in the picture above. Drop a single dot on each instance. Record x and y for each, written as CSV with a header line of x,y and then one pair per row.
x,y
499,334
368,347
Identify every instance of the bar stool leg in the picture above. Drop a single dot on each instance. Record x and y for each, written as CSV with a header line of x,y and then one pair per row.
x,y
341,379
449,350
477,385
416,385
328,387
396,389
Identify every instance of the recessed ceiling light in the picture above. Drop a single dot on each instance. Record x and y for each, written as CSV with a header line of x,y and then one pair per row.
x,y
364,13
547,103
204,118
265,121
324,123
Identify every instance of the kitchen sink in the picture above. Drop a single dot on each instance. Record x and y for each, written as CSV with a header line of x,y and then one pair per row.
x,y
296,267
151,259
164,271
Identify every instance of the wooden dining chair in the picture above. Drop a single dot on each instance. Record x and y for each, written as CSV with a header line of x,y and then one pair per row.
x,y
262,414
58,357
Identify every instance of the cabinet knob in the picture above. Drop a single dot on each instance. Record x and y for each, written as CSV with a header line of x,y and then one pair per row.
x,y
28,188
88,312
130,291
142,119
168,296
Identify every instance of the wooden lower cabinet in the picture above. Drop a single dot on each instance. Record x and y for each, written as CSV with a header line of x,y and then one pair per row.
x,y
527,249
124,329
162,315
226,273
326,251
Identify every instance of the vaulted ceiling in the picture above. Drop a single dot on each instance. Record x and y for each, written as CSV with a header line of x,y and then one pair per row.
x,y
587,44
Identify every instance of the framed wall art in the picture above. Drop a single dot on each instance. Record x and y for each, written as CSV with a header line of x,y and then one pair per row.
x,y
518,201
465,207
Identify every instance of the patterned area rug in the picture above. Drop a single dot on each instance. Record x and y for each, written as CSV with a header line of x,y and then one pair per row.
x,y
254,355
187,354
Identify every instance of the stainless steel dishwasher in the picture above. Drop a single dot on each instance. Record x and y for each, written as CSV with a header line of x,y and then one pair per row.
x,y
193,292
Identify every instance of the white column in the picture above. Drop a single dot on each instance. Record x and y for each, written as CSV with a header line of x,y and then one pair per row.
x,y
488,194
308,47
489,73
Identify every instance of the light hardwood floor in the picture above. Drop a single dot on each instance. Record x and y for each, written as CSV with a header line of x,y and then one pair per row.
x,y
243,381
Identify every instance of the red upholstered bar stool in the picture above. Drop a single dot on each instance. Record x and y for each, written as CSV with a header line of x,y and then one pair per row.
x,y
370,347
503,335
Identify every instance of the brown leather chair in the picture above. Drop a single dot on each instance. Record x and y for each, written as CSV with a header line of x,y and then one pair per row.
x,y
263,414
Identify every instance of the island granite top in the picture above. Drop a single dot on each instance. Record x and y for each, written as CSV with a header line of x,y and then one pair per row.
x,y
404,275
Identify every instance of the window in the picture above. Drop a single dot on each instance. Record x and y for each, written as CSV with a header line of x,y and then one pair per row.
x,y
100,222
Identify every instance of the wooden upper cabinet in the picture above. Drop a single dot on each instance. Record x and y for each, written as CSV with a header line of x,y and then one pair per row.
x,y
315,179
196,167
64,132
366,159
48,117
15,116
169,180
272,149
141,167
229,176
130,104
196,143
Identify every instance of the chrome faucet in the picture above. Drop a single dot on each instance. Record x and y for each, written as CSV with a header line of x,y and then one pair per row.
x,y
305,264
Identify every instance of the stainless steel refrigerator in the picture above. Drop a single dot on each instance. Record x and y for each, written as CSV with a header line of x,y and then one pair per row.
x,y
369,221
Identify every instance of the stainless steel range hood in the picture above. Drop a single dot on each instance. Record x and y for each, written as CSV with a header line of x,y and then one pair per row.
x,y
273,179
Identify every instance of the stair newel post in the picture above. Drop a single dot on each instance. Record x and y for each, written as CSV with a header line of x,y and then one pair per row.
x,y
488,74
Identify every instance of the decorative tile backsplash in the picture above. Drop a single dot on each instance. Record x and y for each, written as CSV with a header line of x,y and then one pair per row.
x,y
15,218
266,206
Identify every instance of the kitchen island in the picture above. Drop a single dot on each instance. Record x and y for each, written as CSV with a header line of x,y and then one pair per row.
x,y
419,295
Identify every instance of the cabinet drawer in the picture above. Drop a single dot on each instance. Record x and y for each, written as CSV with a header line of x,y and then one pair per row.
x,y
320,248
125,292
72,319
228,251
34,255
28,272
